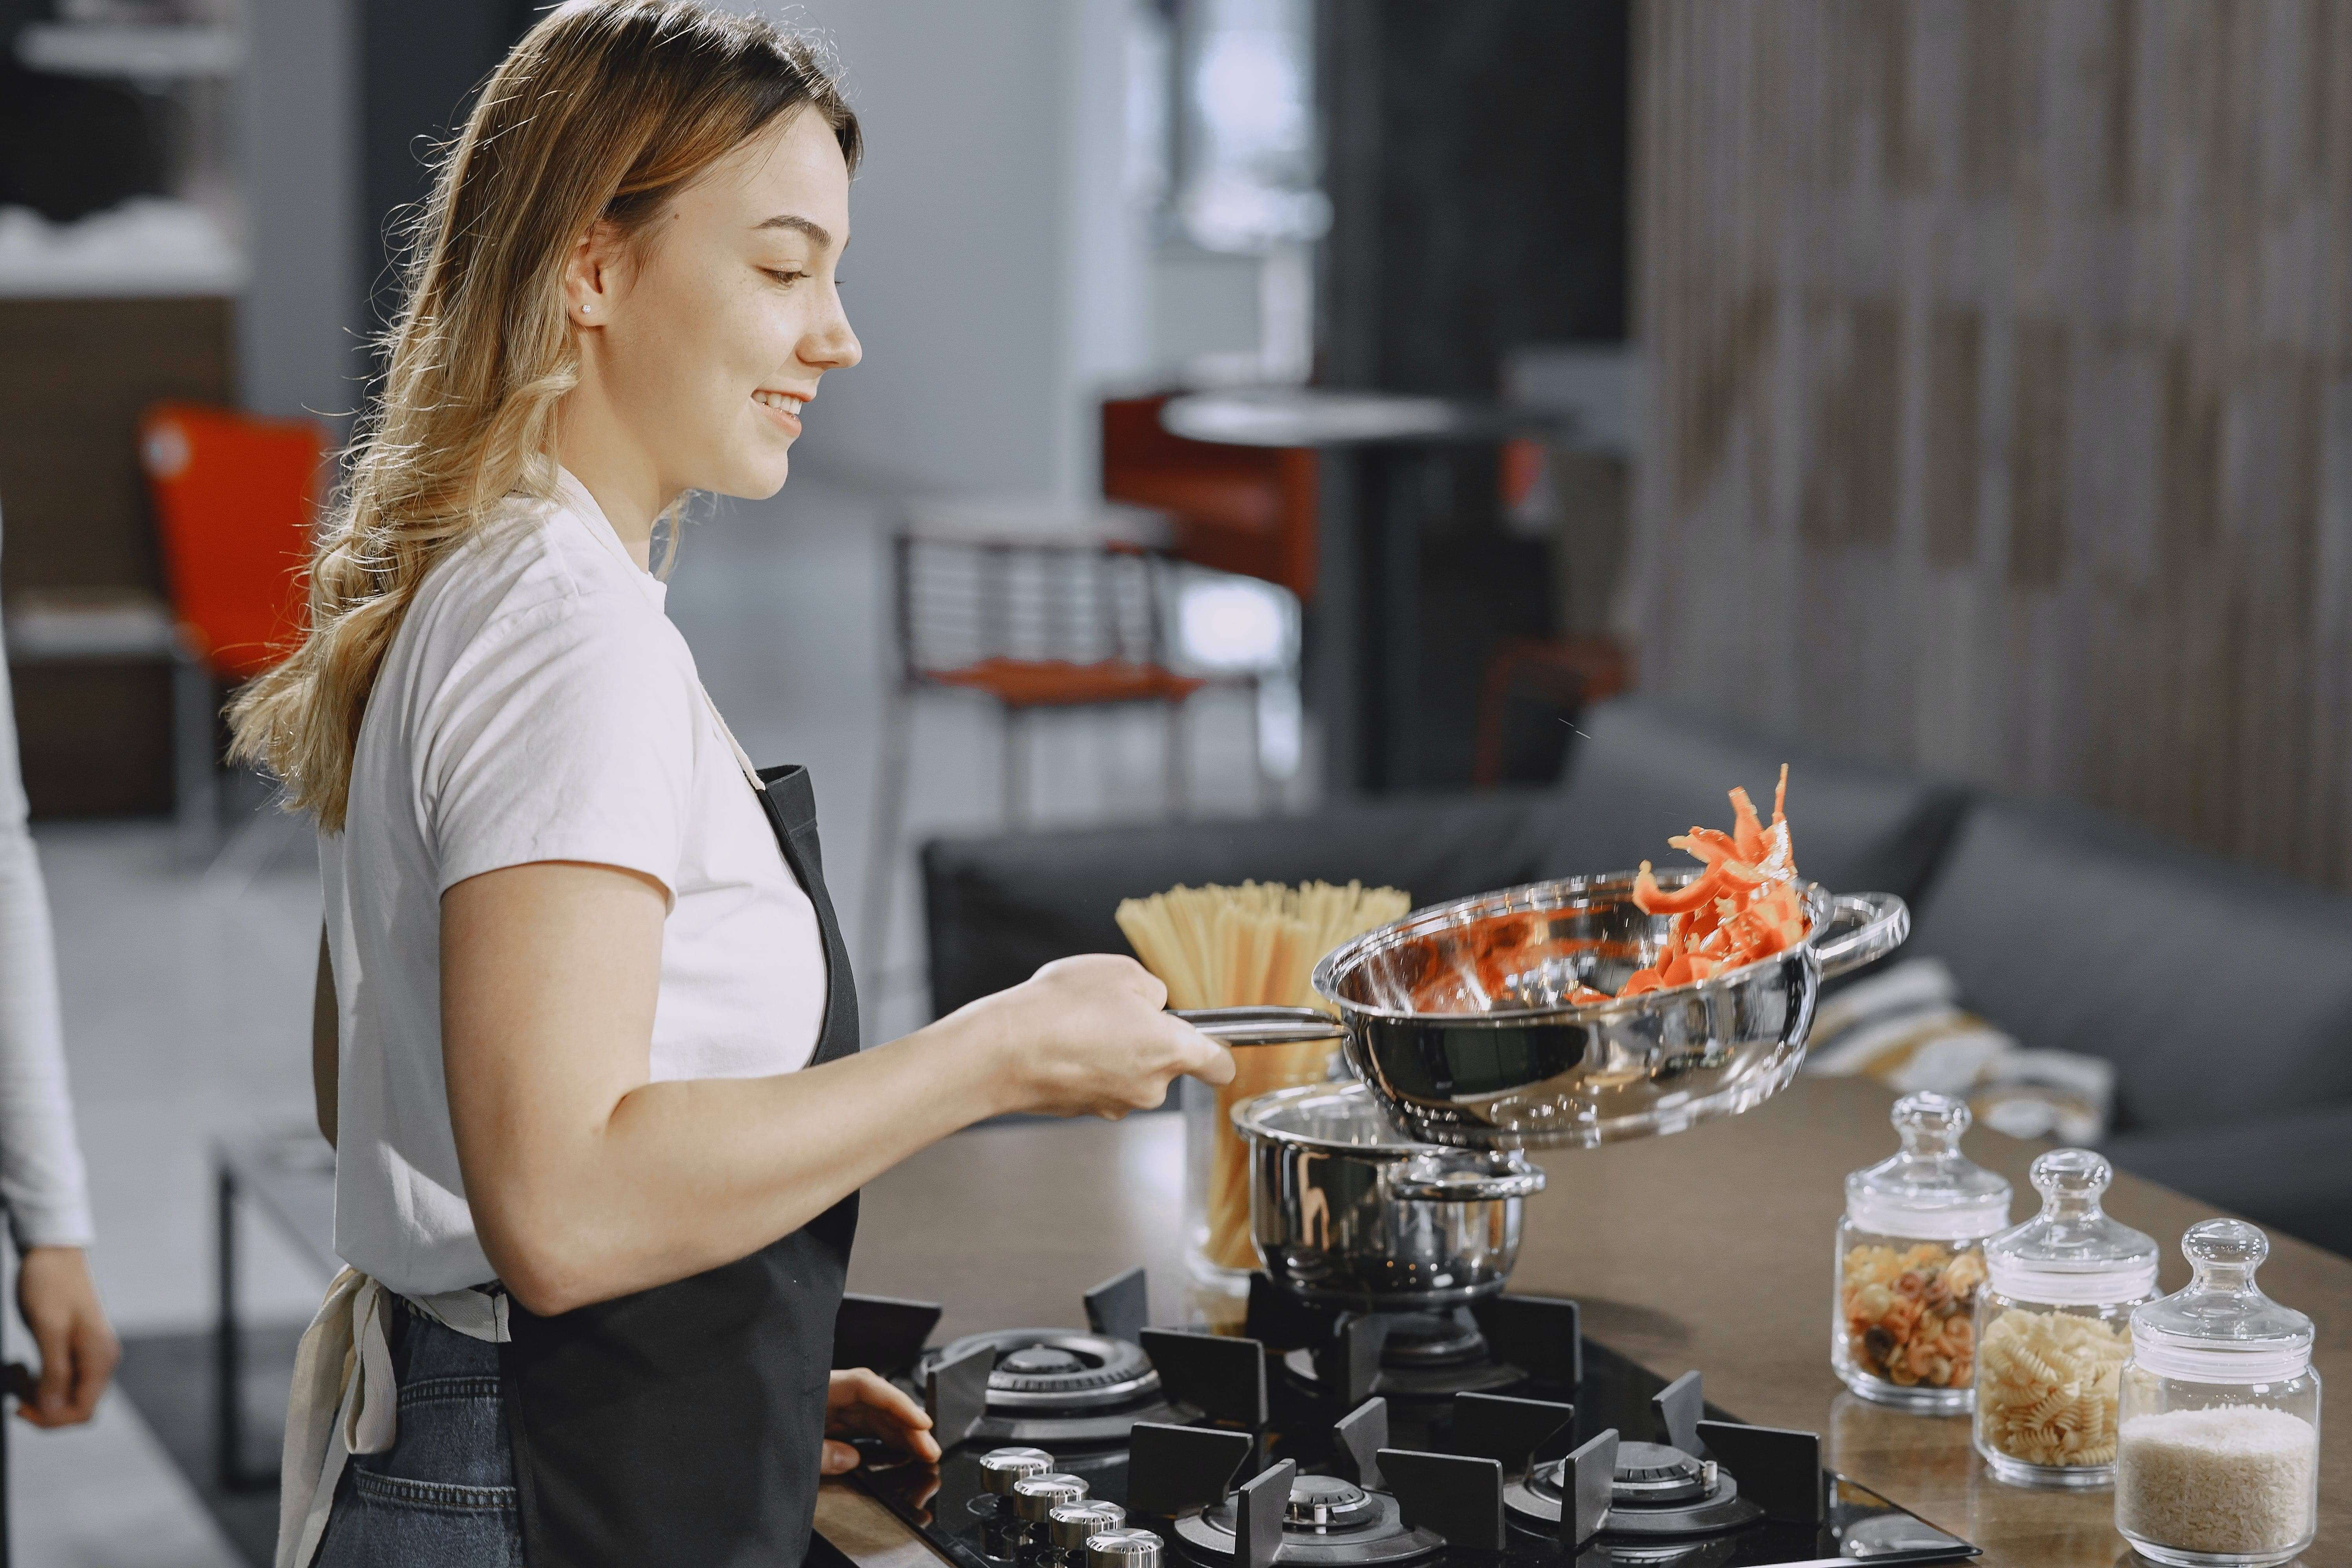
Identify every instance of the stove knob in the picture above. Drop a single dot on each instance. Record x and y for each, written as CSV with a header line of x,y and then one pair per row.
x,y
1123,1548
1000,1467
1071,1525
1034,1497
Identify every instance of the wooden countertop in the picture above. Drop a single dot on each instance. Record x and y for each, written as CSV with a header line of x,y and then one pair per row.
x,y
1709,1249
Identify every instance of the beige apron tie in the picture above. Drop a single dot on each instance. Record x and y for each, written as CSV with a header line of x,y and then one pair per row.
x,y
742,757
345,1400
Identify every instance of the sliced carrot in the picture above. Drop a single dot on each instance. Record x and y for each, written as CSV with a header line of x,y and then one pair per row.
x,y
1707,844
1746,831
1650,898
1742,907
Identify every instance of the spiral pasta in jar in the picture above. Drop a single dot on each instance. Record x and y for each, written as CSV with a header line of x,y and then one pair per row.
x,y
2054,1329
1909,1264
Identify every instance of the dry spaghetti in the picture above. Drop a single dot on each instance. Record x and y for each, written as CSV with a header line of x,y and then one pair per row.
x,y
1252,945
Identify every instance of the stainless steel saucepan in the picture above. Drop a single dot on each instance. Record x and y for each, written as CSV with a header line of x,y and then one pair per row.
x,y
1454,1016
1345,1209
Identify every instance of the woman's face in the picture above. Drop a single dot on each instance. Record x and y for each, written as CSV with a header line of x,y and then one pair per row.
x,y
710,333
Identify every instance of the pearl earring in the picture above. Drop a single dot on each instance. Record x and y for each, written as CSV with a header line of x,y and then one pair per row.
x,y
584,310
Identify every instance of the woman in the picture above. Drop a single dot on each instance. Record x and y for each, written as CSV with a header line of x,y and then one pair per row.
x,y
587,1041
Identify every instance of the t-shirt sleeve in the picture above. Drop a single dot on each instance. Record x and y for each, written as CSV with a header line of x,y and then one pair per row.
x,y
569,736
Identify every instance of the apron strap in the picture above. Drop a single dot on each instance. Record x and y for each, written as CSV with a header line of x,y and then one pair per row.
x,y
742,757
345,1398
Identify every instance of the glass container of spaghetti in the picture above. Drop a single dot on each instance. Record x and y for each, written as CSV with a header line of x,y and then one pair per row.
x,y
1908,1263
2217,1460
2052,1328
1257,945
1218,1248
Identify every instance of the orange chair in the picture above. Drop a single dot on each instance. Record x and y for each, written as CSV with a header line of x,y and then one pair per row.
x,y
1245,510
234,497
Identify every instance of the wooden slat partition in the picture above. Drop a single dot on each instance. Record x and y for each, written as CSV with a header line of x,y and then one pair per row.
x,y
2001,410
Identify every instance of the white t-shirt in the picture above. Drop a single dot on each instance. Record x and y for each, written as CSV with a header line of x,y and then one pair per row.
x,y
537,704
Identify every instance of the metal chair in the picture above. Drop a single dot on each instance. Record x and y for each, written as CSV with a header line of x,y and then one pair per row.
x,y
1030,624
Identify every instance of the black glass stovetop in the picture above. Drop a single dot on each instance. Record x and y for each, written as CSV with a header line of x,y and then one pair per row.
x,y
1451,1421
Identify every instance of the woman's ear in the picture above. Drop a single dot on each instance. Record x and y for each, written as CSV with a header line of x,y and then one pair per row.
x,y
592,275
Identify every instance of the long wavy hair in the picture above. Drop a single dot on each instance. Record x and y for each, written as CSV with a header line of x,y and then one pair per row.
x,y
603,111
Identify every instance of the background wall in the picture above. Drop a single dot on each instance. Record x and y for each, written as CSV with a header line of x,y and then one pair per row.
x,y
2001,416
987,299
301,324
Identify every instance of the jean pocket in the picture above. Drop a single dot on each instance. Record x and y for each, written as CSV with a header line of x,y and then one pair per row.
x,y
391,1521
452,1432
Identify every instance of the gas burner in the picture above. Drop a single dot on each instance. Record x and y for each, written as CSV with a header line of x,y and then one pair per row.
x,y
1057,1371
1325,1520
1655,1491
1422,1356
1056,1388
1660,1492
1051,1388
1330,1361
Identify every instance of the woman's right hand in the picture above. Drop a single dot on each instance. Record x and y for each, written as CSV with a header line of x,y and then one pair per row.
x,y
1087,1036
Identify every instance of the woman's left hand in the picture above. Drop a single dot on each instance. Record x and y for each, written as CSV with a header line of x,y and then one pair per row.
x,y
861,1404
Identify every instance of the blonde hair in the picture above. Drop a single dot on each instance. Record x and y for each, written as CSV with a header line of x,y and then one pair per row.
x,y
602,112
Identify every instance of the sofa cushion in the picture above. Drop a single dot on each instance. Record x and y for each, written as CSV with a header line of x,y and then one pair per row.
x,y
1641,772
2219,993
996,908
2285,1171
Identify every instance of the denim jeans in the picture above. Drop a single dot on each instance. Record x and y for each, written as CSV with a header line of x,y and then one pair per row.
x,y
443,1493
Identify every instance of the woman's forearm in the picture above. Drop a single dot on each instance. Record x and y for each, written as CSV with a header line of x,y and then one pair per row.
x,y
691,1174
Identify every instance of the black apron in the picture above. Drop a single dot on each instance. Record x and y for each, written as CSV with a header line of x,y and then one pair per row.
x,y
685,1424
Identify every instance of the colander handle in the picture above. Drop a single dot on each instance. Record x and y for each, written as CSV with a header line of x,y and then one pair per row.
x,y
1863,927
1262,1026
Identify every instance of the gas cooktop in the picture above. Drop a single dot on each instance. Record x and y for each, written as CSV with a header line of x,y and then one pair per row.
x,y
1325,1439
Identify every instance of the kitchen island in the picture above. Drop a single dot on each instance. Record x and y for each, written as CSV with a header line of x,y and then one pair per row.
x,y
1709,1249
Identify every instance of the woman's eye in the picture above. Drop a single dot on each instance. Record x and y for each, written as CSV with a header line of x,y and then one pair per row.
x,y
785,277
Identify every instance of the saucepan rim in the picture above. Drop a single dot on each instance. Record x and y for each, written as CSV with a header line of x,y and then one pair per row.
x,y
1256,1117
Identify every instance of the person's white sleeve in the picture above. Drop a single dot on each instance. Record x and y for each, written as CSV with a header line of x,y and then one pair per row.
x,y
41,1178
569,735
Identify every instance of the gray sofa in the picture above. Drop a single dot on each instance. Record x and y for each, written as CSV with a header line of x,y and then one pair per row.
x,y
2222,995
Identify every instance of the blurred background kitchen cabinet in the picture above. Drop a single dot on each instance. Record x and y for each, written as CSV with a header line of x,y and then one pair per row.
x,y
122,257
79,562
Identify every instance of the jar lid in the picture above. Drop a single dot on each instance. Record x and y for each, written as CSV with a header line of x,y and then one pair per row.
x,y
2220,1328
2071,1254
1931,1190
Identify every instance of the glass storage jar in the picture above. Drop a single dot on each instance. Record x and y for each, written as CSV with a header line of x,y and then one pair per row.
x,y
2217,1460
1219,1251
1908,1263
2054,1326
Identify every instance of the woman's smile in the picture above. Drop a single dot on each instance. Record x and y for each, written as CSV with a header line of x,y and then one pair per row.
x,y
782,407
